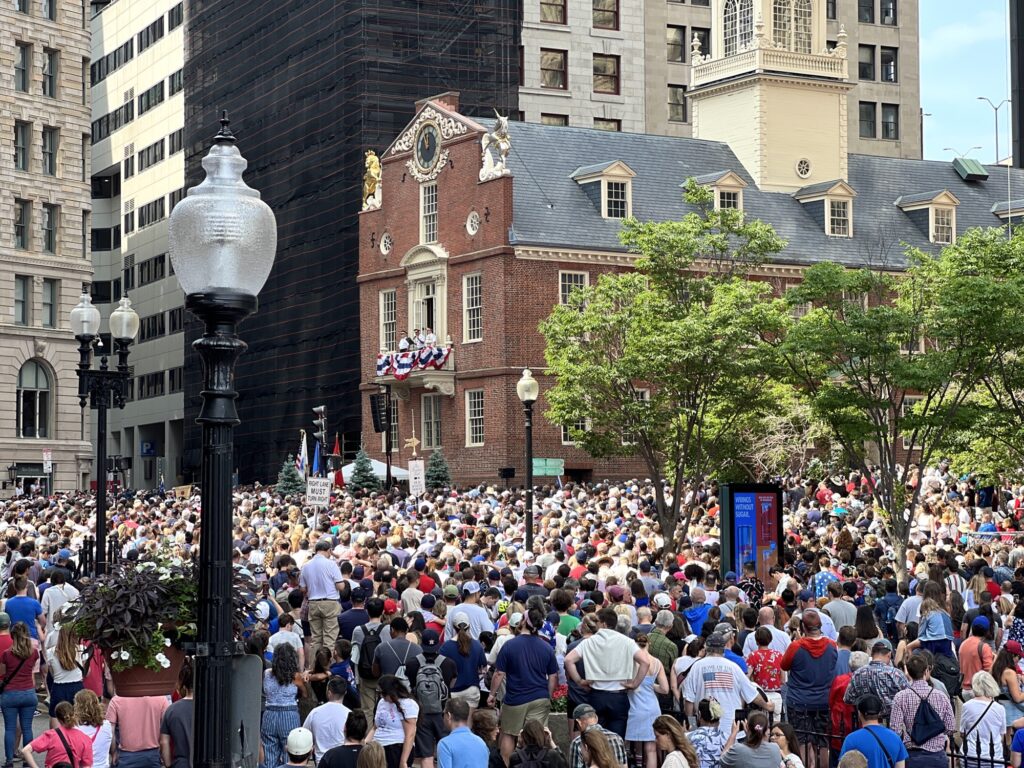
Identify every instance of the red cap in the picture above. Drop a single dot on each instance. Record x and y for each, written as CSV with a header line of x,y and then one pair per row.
x,y
390,606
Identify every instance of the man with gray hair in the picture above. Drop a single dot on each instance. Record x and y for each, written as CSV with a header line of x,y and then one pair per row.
x,y
664,650
715,677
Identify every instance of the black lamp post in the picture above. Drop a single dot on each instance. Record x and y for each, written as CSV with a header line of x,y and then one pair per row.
x,y
527,389
222,244
102,389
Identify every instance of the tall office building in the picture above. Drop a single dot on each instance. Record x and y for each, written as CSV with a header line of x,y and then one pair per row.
x,y
625,64
44,259
310,87
138,174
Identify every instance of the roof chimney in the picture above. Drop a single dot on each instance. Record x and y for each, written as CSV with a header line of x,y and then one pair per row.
x,y
449,100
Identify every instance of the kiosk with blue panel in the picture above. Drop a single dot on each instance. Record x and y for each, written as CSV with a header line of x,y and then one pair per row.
x,y
751,527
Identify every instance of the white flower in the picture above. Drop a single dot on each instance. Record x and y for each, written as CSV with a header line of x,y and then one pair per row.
x,y
163,660
167,642
125,655
176,561
160,657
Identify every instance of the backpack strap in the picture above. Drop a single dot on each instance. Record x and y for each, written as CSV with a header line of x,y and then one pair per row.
x,y
888,757
67,748
978,721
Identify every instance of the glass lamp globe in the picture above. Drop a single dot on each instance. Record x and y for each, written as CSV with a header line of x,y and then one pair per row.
x,y
223,237
124,321
85,318
527,387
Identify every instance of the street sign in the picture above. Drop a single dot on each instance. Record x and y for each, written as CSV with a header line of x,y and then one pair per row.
x,y
548,467
182,491
47,460
318,491
417,481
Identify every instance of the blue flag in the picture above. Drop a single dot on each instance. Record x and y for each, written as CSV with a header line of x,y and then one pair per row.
x,y
316,460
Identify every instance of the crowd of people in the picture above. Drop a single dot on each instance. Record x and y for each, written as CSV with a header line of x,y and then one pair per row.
x,y
407,630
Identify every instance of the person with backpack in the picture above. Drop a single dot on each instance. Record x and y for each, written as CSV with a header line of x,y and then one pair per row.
x,y
365,641
922,716
881,747
431,677
887,608
975,655
393,655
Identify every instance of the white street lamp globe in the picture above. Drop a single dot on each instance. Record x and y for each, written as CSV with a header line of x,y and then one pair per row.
x,y
527,387
124,321
85,318
223,237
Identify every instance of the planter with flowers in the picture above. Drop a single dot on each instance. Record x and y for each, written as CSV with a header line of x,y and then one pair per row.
x,y
139,615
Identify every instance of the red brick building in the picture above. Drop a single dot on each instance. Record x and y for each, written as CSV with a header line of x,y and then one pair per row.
x,y
437,253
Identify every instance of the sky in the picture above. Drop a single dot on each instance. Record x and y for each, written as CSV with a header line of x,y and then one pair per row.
x,y
964,56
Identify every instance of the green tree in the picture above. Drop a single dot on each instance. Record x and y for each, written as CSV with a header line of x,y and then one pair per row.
x,y
363,478
437,475
886,362
289,481
667,361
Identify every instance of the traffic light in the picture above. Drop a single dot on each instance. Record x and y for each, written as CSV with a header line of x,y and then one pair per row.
x,y
320,422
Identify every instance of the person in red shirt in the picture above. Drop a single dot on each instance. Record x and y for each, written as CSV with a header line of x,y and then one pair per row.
x,y
764,666
5,632
63,744
841,712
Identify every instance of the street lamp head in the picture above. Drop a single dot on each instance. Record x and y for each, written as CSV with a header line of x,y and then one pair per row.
x,y
124,321
527,387
85,318
223,237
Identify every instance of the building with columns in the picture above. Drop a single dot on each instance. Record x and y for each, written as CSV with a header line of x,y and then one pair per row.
x,y
44,255
479,245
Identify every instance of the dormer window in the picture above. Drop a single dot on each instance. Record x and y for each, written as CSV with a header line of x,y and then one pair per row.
x,y
728,189
934,213
831,204
609,187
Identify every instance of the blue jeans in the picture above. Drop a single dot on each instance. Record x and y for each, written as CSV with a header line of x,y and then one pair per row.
x,y
17,705
146,758
612,709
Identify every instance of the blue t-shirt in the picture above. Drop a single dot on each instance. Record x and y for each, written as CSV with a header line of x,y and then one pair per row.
x,y
468,666
868,745
1018,742
25,609
736,659
527,661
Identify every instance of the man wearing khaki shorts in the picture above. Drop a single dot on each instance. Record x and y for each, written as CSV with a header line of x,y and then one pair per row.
x,y
527,666
321,578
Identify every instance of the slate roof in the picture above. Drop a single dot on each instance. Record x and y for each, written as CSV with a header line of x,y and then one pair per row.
x,y
816,189
586,170
923,197
552,210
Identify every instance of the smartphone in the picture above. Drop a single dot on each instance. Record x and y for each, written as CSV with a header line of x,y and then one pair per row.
x,y
266,588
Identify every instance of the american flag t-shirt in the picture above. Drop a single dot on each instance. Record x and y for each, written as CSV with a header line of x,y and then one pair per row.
x,y
719,680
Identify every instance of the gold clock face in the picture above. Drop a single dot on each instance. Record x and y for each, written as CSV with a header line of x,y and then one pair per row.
x,y
428,147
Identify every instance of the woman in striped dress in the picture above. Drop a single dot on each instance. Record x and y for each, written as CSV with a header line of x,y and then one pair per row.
x,y
281,686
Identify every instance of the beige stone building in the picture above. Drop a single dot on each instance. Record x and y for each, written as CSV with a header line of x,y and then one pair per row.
x,y
44,255
626,64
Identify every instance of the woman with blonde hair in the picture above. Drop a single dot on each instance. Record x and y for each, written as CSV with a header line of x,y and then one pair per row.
x,y
671,739
91,722
972,595
65,660
371,756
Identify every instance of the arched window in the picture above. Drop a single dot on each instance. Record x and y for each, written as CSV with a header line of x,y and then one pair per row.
x,y
33,400
792,22
739,25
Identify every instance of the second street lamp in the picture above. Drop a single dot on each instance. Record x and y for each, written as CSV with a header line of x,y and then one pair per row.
x,y
102,389
222,244
527,389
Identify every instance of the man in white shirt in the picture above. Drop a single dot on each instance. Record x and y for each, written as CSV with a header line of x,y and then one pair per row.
x,y
327,722
780,640
479,621
286,635
59,594
715,677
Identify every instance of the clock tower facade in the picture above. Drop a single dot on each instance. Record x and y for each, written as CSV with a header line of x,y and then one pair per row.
x,y
774,91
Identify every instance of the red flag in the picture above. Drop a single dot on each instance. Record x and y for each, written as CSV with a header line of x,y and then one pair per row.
x,y
337,445
339,479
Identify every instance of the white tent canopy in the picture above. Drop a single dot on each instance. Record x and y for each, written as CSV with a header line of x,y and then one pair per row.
x,y
380,469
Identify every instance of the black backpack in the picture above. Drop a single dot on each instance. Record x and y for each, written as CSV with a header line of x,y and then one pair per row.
x,y
531,757
927,723
367,648
947,671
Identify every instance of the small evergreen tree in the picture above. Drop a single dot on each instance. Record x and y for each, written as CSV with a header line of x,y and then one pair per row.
x,y
363,478
289,481
437,475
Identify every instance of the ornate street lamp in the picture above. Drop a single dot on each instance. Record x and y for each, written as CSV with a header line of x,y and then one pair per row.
x,y
223,238
102,389
528,389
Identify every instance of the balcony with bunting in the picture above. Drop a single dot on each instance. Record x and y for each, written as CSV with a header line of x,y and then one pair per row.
x,y
428,367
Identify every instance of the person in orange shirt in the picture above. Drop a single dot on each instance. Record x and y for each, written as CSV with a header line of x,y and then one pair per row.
x,y
975,654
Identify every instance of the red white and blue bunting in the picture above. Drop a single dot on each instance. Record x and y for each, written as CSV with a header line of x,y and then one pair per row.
x,y
401,364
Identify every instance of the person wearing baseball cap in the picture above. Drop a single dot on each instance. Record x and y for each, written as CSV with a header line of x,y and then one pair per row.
x,y
879,677
729,631
880,746
810,661
299,746
585,719
477,616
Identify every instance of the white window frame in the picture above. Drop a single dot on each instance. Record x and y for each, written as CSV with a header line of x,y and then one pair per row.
x,y
562,275
394,429
719,191
471,396
797,310
829,202
389,295
583,425
933,224
428,212
627,182
908,402
430,422
472,313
